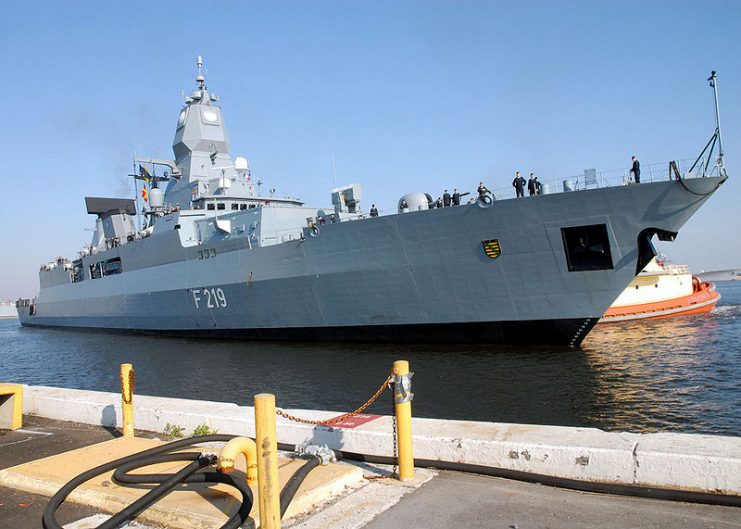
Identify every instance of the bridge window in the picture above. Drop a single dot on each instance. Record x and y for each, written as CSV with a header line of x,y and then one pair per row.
x,y
78,272
112,266
105,268
95,272
221,205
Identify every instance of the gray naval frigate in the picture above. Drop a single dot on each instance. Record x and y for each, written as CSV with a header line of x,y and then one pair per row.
x,y
218,258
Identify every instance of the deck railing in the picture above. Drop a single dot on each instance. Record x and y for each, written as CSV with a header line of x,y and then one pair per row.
x,y
592,179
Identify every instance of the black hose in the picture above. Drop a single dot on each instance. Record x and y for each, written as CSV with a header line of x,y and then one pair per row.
x,y
681,181
154,495
295,481
640,491
121,474
167,482
238,482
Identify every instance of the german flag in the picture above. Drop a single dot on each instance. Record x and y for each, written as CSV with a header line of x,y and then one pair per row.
x,y
492,248
144,173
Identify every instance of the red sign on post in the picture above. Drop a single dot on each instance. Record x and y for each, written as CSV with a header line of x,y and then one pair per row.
x,y
356,420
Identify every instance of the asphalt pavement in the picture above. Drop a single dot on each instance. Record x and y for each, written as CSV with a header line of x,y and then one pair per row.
x,y
472,501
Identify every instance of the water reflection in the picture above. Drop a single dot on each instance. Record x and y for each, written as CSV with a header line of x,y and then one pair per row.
x,y
540,385
670,374
676,374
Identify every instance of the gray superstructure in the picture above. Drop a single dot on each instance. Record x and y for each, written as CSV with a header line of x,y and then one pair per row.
x,y
218,258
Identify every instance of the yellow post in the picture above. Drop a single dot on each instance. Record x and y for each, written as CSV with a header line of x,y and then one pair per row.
x,y
127,399
11,406
403,410
267,461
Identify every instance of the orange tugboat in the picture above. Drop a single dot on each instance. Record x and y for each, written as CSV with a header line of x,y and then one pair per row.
x,y
662,290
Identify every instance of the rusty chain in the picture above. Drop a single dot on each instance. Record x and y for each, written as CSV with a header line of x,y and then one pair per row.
x,y
344,416
334,420
395,434
132,380
393,439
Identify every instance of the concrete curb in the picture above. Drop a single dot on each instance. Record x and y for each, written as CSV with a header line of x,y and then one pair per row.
x,y
687,462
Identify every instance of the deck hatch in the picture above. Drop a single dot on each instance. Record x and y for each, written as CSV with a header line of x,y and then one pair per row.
x,y
587,247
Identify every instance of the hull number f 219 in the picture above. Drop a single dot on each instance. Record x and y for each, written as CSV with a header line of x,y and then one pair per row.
x,y
211,298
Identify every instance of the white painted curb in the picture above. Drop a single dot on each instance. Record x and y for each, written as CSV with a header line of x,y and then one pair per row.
x,y
704,463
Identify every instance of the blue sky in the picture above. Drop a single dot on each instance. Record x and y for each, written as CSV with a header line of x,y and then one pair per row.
x,y
407,96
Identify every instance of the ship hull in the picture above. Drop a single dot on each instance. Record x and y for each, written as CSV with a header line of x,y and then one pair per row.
x,y
414,277
540,332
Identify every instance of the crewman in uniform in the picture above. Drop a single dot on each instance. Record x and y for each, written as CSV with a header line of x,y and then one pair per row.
x,y
519,184
636,170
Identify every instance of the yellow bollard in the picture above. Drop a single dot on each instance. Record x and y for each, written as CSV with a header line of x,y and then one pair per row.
x,y
11,406
127,399
403,409
267,461
232,449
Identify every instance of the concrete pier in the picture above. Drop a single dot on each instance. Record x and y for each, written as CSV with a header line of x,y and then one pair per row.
x,y
682,462
439,501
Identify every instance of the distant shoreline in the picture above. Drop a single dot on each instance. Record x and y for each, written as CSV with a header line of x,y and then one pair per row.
x,y
722,275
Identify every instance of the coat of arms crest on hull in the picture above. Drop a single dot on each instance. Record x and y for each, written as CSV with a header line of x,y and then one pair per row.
x,y
492,248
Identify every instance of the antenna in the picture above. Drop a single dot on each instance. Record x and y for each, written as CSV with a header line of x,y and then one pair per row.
x,y
715,138
200,78
334,176
136,194
713,79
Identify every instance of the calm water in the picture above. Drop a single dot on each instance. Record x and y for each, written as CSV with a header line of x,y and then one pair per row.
x,y
682,374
